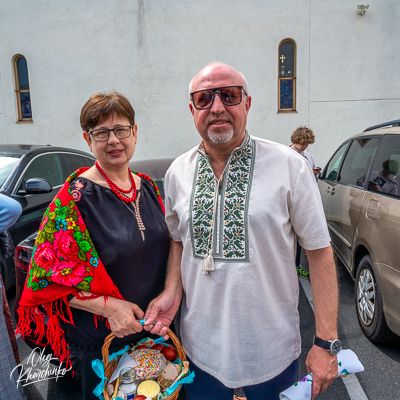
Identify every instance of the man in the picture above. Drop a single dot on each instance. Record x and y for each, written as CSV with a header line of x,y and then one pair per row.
x,y
234,206
301,138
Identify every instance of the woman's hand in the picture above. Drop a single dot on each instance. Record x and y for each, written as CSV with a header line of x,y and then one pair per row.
x,y
121,314
163,309
122,317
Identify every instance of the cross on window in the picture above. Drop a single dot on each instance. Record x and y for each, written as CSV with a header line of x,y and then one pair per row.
x,y
282,57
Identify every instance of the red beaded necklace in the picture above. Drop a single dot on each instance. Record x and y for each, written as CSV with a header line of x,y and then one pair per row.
x,y
116,189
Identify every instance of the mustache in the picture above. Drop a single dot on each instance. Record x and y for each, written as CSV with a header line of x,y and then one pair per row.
x,y
212,117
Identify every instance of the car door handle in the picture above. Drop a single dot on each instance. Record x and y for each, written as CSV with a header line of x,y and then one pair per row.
x,y
332,191
328,190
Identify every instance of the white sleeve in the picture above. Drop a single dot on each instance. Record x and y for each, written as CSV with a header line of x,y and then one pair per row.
x,y
307,213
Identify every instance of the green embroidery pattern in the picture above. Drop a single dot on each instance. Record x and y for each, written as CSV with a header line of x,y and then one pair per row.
x,y
202,206
235,190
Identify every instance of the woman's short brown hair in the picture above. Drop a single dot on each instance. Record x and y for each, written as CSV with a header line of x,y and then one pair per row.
x,y
101,105
303,135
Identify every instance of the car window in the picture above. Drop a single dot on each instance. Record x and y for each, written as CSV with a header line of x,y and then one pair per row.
x,y
358,159
383,177
89,161
73,162
7,163
331,170
45,166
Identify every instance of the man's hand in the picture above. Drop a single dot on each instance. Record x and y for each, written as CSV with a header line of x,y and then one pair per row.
x,y
323,367
316,171
122,316
162,309
325,292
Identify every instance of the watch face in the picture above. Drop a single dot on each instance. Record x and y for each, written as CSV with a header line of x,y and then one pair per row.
x,y
335,347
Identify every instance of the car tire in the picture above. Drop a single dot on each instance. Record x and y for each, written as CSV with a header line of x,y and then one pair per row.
x,y
369,305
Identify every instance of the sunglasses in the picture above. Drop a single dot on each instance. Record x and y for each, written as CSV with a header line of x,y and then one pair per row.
x,y
229,95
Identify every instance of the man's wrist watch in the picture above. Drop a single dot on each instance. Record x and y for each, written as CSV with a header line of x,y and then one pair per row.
x,y
333,346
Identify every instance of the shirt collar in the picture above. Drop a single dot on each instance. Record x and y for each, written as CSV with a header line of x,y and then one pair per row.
x,y
298,151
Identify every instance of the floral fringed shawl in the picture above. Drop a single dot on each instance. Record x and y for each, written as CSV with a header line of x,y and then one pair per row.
x,y
64,262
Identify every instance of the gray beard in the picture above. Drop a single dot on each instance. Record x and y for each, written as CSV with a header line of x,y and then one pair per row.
x,y
220,138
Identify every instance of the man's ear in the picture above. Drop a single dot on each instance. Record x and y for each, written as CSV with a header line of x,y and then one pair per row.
x,y
191,108
248,103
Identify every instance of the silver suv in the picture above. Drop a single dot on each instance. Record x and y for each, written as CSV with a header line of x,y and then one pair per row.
x,y
361,197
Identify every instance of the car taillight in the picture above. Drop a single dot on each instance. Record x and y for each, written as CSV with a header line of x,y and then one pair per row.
x,y
22,257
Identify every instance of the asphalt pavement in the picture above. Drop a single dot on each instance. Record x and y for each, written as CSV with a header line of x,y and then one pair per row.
x,y
379,381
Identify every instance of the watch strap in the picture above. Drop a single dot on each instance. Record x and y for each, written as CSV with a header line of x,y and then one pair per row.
x,y
333,346
325,344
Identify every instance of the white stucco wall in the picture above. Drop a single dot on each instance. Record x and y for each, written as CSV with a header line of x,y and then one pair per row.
x,y
354,80
150,50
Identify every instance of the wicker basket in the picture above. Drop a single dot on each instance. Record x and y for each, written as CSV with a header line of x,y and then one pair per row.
x,y
109,366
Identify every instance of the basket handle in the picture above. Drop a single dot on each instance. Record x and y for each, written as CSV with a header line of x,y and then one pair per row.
x,y
174,339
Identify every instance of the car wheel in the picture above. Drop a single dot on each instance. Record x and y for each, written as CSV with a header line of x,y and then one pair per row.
x,y
370,306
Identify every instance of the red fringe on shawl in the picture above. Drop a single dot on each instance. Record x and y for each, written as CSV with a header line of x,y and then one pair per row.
x,y
29,311
97,317
78,295
52,331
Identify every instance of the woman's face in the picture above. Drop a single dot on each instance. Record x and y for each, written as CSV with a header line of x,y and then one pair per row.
x,y
113,153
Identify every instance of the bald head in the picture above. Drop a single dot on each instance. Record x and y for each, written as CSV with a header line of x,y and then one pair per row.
x,y
210,70
221,124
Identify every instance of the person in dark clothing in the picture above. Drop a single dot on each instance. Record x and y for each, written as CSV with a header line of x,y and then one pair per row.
x,y
10,210
104,244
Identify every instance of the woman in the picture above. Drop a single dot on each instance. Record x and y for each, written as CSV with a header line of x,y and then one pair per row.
x,y
101,253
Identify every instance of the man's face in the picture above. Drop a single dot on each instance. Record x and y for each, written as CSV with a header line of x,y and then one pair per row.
x,y
220,125
300,147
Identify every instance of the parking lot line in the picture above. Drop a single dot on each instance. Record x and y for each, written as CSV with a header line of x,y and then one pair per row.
x,y
351,382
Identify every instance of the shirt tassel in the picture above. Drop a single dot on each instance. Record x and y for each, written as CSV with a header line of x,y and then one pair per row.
x,y
208,263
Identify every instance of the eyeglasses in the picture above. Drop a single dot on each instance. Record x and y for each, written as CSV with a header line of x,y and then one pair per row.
x,y
229,95
101,135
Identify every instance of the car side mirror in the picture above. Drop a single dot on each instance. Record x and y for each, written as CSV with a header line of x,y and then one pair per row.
x,y
36,186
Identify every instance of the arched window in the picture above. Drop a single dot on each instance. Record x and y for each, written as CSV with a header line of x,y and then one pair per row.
x,y
22,89
287,76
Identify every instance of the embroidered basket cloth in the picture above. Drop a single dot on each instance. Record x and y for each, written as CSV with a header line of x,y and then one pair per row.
x,y
109,366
